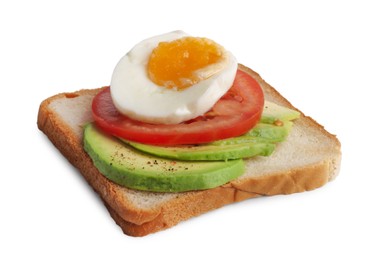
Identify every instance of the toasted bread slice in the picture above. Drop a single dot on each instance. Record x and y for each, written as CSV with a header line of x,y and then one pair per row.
x,y
308,159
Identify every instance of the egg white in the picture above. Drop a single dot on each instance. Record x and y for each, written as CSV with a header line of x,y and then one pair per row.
x,y
136,96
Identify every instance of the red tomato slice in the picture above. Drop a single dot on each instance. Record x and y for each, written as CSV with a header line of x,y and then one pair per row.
x,y
233,115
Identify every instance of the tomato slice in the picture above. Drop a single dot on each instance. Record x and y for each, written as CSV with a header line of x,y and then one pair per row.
x,y
233,115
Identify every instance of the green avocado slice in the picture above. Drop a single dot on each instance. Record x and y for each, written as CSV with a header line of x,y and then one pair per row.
x,y
131,168
261,133
259,141
273,112
209,152
273,127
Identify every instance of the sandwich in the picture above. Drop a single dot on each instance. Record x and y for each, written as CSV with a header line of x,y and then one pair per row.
x,y
184,129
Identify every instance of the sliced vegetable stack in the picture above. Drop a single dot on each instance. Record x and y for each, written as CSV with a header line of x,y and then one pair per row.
x,y
186,167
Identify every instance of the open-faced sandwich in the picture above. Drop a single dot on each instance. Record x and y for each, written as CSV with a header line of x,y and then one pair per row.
x,y
184,129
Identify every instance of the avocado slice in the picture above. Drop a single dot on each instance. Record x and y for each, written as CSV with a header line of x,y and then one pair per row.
x,y
273,113
259,141
208,152
131,168
261,133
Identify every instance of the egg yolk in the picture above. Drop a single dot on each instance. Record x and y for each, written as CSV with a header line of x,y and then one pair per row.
x,y
184,62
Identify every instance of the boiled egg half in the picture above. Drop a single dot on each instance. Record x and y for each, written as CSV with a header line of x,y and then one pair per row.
x,y
171,78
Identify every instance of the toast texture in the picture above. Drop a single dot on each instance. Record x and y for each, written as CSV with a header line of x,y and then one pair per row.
x,y
308,159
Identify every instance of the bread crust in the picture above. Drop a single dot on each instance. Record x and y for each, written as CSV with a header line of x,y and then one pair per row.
x,y
139,221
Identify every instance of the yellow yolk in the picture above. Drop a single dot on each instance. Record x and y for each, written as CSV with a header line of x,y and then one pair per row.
x,y
184,62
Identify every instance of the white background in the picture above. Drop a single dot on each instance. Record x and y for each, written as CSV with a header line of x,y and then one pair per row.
x,y
321,55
